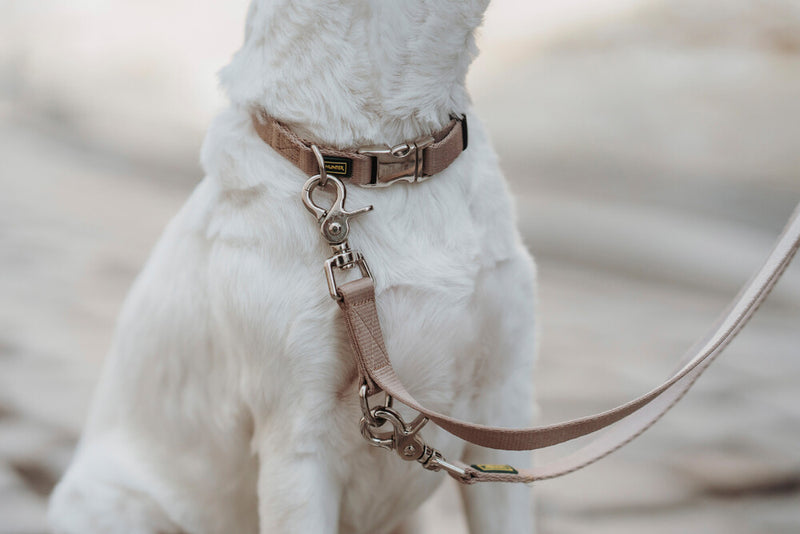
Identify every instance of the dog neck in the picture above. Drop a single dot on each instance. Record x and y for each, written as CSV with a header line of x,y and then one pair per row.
x,y
347,73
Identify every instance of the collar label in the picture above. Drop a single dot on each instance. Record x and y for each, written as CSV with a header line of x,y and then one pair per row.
x,y
339,166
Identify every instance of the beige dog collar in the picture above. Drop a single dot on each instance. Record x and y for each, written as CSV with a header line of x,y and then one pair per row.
x,y
370,166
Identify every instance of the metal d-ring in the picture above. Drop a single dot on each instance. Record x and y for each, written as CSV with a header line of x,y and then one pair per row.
x,y
323,175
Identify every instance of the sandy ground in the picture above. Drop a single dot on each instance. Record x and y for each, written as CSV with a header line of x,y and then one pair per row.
x,y
653,149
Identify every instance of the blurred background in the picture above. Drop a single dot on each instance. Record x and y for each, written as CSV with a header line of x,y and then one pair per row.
x,y
654,150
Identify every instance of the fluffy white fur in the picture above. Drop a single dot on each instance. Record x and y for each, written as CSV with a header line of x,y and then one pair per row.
x,y
228,401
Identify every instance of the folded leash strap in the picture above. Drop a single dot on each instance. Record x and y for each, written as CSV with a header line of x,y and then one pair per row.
x,y
361,315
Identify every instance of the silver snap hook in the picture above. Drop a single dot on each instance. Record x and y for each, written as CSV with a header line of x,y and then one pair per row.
x,y
334,221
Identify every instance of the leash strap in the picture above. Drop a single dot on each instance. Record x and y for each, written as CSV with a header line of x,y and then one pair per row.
x,y
357,300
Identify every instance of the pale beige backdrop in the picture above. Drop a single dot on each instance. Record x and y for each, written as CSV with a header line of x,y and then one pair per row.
x,y
636,134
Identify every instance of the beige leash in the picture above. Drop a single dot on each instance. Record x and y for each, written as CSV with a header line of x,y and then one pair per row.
x,y
358,303
383,426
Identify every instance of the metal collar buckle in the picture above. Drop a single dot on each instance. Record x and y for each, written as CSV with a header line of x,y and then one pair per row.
x,y
400,162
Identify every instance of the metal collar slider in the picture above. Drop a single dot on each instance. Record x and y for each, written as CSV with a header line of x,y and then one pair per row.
x,y
400,162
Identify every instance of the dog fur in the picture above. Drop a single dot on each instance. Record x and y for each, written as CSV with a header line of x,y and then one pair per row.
x,y
228,402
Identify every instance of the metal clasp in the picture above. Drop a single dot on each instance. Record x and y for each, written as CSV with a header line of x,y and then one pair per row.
x,y
343,258
334,223
402,437
400,162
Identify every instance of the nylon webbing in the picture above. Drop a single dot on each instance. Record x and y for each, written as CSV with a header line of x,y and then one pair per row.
x,y
361,316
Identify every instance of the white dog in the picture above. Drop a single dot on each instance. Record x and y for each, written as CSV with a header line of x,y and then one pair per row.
x,y
228,403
